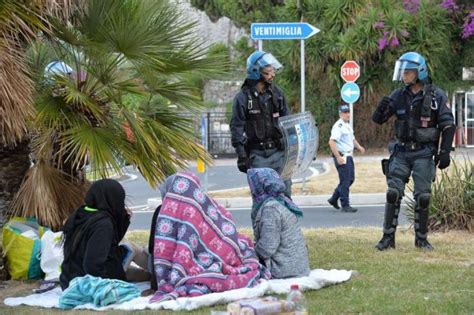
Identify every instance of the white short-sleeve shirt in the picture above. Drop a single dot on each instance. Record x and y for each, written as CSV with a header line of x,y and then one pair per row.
x,y
343,135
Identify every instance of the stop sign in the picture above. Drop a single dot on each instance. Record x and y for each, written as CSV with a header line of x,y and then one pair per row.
x,y
350,71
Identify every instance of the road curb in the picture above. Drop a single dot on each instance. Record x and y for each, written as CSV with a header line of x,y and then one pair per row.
x,y
300,200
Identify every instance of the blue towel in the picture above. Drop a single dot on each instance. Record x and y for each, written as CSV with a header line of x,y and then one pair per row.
x,y
100,292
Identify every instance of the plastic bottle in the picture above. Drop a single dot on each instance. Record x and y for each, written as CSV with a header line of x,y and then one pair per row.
x,y
298,298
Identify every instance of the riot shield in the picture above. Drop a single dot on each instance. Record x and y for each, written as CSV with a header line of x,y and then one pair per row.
x,y
301,138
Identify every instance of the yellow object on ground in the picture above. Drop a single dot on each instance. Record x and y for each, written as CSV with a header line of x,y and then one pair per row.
x,y
22,246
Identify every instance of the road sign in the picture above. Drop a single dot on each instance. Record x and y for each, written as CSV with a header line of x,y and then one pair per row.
x,y
260,31
350,71
350,92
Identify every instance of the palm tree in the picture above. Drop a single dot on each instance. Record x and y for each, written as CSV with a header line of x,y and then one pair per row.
x,y
20,20
122,65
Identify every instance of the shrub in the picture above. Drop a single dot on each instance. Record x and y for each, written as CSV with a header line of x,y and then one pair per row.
x,y
452,198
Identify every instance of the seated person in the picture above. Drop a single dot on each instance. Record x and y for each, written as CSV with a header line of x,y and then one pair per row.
x,y
197,249
151,241
92,235
279,242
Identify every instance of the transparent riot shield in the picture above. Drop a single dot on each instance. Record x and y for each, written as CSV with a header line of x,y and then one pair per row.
x,y
301,138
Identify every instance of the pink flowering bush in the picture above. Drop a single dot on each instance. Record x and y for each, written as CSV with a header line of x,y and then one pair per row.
x,y
468,27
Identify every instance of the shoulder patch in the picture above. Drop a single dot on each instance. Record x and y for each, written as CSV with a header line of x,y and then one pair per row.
x,y
339,125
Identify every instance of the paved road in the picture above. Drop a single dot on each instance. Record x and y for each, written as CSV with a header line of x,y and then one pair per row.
x,y
219,177
314,217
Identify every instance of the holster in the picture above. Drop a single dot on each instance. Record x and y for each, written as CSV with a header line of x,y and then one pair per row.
x,y
385,166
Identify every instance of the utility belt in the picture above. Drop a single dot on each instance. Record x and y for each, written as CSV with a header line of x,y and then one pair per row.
x,y
268,145
348,153
343,154
409,146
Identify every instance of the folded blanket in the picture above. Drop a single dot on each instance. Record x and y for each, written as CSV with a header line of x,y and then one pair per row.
x,y
98,291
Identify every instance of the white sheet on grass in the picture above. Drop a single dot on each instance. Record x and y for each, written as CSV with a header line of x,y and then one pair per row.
x,y
317,279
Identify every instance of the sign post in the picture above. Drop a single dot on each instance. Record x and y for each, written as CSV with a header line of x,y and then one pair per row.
x,y
350,92
273,31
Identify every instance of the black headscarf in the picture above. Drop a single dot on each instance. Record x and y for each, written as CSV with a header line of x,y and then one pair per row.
x,y
108,195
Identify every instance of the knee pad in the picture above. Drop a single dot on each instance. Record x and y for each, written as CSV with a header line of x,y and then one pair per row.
x,y
392,195
424,200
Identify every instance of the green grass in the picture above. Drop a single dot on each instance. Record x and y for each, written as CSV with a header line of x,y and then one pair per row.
x,y
405,280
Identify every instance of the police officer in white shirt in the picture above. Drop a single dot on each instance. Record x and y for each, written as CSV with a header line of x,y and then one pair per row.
x,y
342,144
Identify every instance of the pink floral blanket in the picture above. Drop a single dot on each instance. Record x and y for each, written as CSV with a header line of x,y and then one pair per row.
x,y
197,248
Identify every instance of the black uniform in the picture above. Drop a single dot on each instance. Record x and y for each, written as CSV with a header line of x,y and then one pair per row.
x,y
254,127
420,120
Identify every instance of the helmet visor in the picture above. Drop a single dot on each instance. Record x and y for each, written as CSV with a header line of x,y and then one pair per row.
x,y
57,68
401,66
269,60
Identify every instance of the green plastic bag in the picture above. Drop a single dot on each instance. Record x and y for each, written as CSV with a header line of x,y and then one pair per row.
x,y
22,246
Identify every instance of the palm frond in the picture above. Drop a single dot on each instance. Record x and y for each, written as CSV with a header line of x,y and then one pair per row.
x,y
20,22
16,103
49,195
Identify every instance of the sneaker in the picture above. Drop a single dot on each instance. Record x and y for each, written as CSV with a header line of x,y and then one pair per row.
x,y
348,209
423,244
334,203
46,285
127,253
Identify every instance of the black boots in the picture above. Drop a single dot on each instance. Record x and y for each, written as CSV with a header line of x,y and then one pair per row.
x,y
423,244
344,209
387,241
333,203
348,209
421,222
390,222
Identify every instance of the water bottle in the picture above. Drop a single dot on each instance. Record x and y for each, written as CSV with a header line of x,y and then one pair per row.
x,y
298,298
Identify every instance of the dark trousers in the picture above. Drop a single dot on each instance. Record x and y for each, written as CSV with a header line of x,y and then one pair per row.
x,y
271,158
419,164
346,178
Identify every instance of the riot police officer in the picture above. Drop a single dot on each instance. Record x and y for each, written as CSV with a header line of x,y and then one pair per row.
x,y
254,125
423,116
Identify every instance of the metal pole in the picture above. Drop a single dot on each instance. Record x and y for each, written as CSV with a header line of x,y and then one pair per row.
x,y
206,172
302,96
260,45
351,107
302,77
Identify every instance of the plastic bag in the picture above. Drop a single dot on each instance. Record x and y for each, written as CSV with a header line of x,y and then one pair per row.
x,y
22,246
51,255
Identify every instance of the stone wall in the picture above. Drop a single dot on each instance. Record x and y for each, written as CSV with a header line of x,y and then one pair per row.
x,y
224,30
220,92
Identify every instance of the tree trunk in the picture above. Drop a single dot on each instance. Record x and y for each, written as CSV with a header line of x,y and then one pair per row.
x,y
14,162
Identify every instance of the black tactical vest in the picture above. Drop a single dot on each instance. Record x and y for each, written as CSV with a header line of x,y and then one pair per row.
x,y
261,123
416,118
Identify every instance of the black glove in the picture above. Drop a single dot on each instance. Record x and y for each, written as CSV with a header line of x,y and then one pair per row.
x,y
447,136
243,163
384,104
382,111
442,159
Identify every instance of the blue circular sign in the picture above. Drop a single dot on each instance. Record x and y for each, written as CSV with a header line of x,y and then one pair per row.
x,y
350,92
